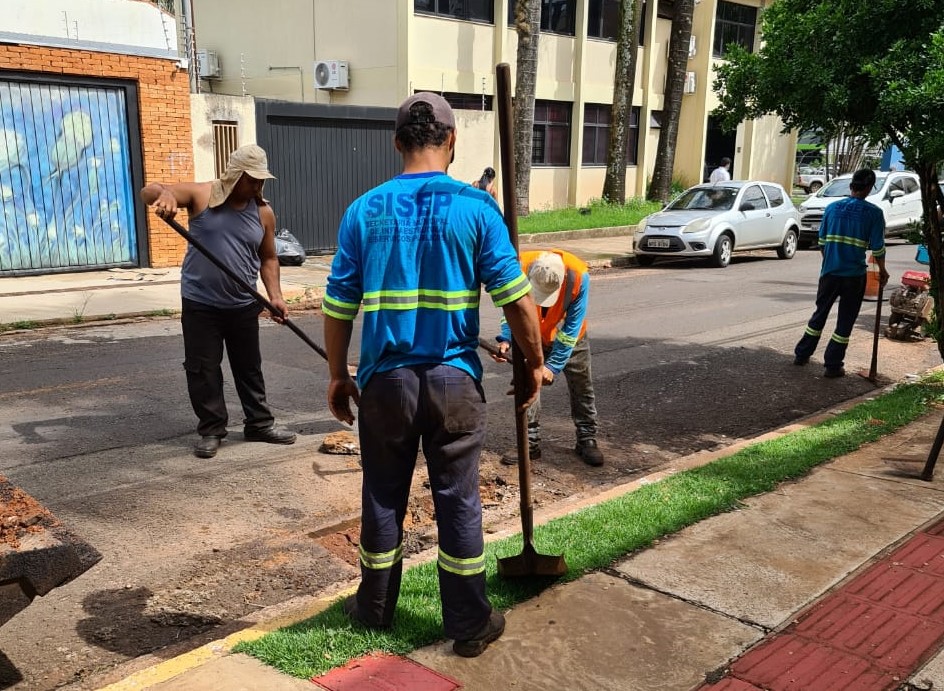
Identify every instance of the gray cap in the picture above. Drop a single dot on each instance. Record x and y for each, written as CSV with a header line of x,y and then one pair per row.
x,y
442,112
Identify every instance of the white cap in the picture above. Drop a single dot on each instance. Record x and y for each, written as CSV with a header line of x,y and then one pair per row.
x,y
546,274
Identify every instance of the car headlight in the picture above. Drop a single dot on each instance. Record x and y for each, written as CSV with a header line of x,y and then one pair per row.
x,y
802,208
641,227
697,226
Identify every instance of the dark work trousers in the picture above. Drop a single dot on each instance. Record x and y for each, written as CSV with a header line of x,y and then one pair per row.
x,y
443,408
583,409
206,330
849,290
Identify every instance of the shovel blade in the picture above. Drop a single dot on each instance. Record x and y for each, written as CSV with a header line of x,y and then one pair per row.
x,y
530,563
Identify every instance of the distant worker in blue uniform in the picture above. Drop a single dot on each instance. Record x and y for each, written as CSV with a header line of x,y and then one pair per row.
x,y
850,226
413,255
561,289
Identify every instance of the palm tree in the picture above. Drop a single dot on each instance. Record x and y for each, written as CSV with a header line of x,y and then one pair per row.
x,y
627,48
528,28
661,185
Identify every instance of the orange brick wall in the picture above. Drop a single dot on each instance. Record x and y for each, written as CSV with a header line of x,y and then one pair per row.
x,y
164,106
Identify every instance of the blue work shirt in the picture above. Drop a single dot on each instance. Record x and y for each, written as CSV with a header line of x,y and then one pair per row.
x,y
849,227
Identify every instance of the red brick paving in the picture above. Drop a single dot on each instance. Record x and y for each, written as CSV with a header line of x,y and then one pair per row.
x,y
871,633
385,673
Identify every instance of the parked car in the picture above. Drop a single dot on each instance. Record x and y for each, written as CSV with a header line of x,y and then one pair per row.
x,y
898,195
810,179
715,220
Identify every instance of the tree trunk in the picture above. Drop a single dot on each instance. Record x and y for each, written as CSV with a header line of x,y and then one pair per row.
x,y
661,185
528,28
627,49
931,201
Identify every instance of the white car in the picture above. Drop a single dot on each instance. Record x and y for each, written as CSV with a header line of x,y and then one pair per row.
x,y
898,195
715,220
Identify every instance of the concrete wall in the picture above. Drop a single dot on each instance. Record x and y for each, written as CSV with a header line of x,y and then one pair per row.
x,y
204,109
278,61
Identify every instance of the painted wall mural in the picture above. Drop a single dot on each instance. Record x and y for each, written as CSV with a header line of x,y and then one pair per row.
x,y
65,178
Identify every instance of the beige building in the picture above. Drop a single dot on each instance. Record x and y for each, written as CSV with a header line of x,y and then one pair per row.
x,y
377,52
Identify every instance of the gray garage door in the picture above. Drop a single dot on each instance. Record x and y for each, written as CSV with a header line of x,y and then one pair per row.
x,y
324,158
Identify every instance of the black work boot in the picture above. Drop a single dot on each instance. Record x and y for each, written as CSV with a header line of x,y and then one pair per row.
x,y
207,446
270,435
491,631
589,452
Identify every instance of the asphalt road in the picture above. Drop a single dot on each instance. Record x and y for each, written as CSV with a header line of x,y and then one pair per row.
x,y
95,423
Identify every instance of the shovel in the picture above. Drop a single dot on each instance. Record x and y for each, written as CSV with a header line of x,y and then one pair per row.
x,y
529,562
245,286
872,374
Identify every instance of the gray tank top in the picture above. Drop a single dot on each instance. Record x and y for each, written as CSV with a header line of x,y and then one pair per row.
x,y
233,237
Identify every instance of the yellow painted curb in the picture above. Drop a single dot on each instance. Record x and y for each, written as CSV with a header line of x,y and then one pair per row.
x,y
164,671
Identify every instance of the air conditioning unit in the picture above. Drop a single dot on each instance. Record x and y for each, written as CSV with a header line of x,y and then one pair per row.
x,y
692,51
331,74
208,64
689,83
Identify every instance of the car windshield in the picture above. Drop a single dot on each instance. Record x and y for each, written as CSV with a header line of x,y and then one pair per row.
x,y
711,198
840,187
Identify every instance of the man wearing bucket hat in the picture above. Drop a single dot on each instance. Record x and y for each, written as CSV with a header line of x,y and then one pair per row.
x,y
560,285
232,220
413,255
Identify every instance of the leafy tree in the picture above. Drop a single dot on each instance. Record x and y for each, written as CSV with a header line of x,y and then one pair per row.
x,y
874,68
627,49
661,186
528,28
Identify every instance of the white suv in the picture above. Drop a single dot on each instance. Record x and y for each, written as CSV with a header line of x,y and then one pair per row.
x,y
898,195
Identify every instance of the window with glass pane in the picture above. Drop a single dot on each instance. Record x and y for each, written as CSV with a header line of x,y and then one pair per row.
x,y
734,24
603,19
477,10
596,135
459,101
550,143
557,16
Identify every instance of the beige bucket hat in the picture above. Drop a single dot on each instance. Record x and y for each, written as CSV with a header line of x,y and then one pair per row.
x,y
249,159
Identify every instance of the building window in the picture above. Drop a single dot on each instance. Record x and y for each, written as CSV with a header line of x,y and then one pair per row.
x,y
550,144
596,135
734,24
557,16
603,19
476,10
463,101
225,142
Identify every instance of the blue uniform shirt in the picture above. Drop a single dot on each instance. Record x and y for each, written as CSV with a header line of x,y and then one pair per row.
x,y
849,227
413,253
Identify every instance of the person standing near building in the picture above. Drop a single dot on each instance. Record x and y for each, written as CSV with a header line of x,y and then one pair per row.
x,y
849,227
721,174
232,220
561,287
413,253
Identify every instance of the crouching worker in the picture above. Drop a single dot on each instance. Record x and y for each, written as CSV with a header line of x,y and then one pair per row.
x,y
415,252
561,288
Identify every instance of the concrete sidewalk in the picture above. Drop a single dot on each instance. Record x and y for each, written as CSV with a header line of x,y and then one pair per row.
x,y
675,616
78,298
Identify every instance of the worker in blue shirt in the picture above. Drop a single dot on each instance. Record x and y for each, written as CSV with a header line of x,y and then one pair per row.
x,y
850,226
561,288
413,255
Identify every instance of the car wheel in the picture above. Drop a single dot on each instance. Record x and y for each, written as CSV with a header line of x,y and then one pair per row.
x,y
644,260
722,255
814,187
789,245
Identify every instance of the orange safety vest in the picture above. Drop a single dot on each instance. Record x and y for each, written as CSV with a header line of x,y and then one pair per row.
x,y
574,269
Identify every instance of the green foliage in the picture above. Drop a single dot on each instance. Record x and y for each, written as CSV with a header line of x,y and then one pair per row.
x,y
597,214
595,537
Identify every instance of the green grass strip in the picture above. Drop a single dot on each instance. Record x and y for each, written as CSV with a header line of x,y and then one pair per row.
x,y
596,537
597,214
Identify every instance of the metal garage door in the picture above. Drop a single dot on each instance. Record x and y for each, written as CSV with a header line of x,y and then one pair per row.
x,y
66,176
324,158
